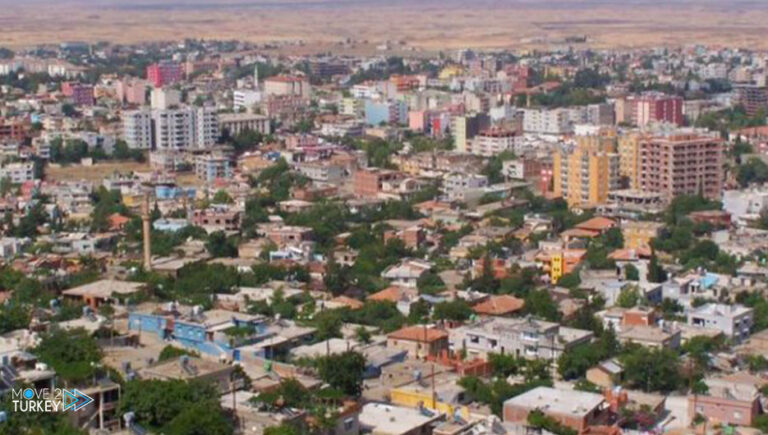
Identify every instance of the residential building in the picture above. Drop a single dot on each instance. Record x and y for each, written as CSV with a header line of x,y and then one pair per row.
x,y
80,93
137,129
650,108
681,165
731,399
288,86
547,121
216,219
733,320
165,98
522,337
495,141
575,409
369,182
419,341
236,123
213,165
465,128
455,185
393,112
751,97
585,172
407,272
245,99
18,172
164,73
385,419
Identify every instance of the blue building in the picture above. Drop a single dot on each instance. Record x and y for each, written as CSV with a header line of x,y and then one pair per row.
x,y
388,112
203,332
174,192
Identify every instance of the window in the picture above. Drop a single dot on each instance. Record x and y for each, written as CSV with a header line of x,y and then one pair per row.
x,y
474,339
737,415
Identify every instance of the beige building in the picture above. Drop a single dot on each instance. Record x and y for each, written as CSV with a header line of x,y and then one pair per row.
x,y
584,173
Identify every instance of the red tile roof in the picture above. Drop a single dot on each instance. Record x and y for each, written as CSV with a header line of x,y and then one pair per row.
x,y
419,333
499,305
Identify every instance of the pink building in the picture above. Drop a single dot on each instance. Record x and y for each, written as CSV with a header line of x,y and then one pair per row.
x,y
654,108
418,120
81,94
164,73
132,91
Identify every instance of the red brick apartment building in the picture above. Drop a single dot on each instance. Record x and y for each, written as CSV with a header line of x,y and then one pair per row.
x,y
13,130
682,165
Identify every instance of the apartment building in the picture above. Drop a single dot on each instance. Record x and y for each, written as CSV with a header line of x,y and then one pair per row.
x,y
18,172
185,128
164,73
80,94
752,98
456,185
466,127
547,121
650,108
245,99
684,164
236,123
387,112
584,172
137,129
495,141
734,321
288,85
522,337
211,166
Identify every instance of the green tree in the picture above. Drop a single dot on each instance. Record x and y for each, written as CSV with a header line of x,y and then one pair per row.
x,y
72,354
343,372
631,273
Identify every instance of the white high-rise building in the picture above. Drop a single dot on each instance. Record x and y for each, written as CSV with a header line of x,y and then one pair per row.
x,y
184,128
137,129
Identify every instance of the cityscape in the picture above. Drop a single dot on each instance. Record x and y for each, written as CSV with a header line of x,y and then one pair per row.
x,y
357,217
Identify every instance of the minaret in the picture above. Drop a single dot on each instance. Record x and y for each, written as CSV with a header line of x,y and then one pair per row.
x,y
145,229
256,77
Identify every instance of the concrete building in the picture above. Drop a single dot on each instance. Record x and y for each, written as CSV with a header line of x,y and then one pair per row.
x,y
211,166
465,128
751,97
165,98
236,123
245,99
288,85
575,409
681,165
734,321
18,172
419,341
388,112
522,337
455,185
385,419
495,141
650,108
547,121
164,73
137,129
585,172
80,93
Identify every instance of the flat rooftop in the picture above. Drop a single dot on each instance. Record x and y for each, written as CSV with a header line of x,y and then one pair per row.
x,y
562,402
104,288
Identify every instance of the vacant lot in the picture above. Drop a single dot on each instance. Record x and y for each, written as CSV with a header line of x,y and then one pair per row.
x,y
426,24
95,173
